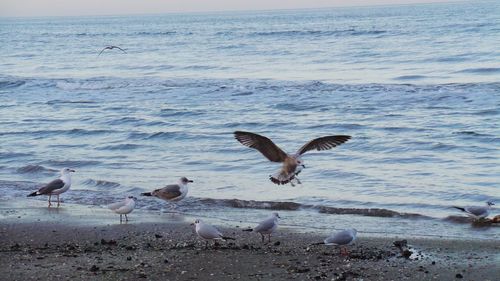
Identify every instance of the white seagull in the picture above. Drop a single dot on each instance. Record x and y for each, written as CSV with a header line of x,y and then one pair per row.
x,y
477,212
292,163
208,232
342,238
171,192
267,226
56,187
123,207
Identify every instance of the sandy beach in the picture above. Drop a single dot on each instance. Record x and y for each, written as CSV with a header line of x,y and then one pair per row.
x,y
88,243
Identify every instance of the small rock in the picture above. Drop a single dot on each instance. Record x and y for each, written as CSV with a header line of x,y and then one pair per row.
x,y
277,243
129,258
94,268
459,276
158,236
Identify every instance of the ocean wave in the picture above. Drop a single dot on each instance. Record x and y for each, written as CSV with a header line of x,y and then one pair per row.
x,y
122,146
410,77
9,155
51,102
295,33
11,84
169,112
100,183
293,206
72,163
155,33
29,169
480,70
157,135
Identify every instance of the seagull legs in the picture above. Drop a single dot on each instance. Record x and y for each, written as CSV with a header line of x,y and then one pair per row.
x,y
49,200
120,218
262,237
126,218
58,200
269,238
298,181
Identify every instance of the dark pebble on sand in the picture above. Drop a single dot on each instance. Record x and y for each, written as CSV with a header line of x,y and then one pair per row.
x,y
94,268
130,247
277,243
129,258
165,261
407,253
110,242
158,236
433,262
459,276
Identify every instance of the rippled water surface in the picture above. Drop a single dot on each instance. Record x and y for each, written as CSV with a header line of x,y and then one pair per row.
x,y
417,87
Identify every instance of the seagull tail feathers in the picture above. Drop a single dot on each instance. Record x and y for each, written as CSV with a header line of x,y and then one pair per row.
x,y
33,194
280,178
460,208
227,238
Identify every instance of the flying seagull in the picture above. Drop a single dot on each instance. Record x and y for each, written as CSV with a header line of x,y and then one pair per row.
x,y
171,192
342,239
123,207
56,187
208,232
292,163
111,48
477,212
267,226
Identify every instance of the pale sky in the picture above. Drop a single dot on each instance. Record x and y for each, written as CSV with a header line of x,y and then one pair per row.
x,y
22,8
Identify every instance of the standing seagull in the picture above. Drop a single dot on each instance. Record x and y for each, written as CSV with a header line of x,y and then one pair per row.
x,y
111,48
56,187
123,207
292,163
171,192
342,238
267,226
477,212
208,232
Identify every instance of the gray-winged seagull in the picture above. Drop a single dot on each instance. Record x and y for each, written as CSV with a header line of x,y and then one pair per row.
x,y
267,226
342,238
477,212
208,232
292,163
123,207
171,192
56,187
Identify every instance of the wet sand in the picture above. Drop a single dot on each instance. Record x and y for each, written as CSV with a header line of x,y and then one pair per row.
x,y
88,243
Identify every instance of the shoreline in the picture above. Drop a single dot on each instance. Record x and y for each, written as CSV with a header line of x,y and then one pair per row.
x,y
80,242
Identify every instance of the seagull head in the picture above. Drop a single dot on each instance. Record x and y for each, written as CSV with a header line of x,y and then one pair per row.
x,y
66,171
300,162
196,222
185,180
132,197
276,215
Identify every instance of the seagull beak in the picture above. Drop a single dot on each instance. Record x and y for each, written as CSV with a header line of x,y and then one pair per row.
x,y
71,170
303,166
190,181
